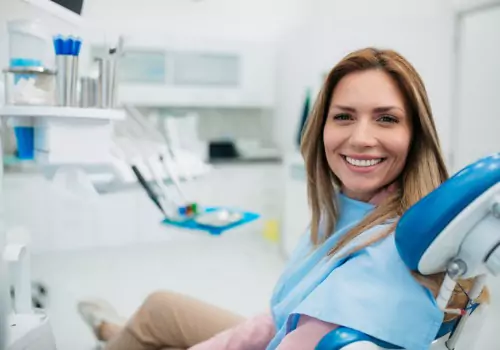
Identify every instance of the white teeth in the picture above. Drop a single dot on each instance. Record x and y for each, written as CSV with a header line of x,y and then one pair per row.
x,y
363,162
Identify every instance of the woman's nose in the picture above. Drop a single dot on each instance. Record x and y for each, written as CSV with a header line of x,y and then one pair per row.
x,y
363,135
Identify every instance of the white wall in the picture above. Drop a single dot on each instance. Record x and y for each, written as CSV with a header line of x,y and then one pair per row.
x,y
477,110
463,5
242,19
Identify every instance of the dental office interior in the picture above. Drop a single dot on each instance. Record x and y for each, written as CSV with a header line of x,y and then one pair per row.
x,y
202,101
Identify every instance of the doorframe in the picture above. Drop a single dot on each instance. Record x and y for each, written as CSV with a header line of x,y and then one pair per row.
x,y
458,21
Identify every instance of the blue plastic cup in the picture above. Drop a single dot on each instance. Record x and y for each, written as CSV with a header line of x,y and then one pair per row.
x,y
25,137
23,127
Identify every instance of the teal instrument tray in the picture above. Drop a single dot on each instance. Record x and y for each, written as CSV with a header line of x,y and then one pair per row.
x,y
191,223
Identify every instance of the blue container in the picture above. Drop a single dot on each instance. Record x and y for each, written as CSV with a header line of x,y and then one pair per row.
x,y
23,62
25,136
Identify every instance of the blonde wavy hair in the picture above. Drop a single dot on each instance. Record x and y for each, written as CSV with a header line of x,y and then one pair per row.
x,y
424,170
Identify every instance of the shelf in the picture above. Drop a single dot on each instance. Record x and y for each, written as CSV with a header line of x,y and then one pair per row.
x,y
62,112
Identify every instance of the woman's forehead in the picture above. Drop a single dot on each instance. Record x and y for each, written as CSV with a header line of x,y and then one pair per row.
x,y
368,89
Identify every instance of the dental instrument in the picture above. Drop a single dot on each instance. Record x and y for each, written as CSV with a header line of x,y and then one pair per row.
x,y
166,161
171,138
115,54
155,152
140,151
107,75
152,195
169,155
166,156
154,149
67,50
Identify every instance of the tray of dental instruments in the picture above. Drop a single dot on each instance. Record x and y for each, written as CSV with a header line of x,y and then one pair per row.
x,y
214,220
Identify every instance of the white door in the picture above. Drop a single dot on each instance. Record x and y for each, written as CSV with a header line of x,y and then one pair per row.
x,y
476,123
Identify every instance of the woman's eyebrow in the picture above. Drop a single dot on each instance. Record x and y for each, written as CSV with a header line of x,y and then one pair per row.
x,y
387,109
344,108
381,109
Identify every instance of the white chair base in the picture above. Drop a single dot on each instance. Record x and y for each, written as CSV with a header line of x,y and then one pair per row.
x,y
30,332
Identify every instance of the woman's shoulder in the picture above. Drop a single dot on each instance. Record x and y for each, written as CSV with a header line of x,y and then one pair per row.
x,y
379,238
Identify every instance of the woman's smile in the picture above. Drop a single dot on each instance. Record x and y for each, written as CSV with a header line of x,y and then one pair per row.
x,y
363,164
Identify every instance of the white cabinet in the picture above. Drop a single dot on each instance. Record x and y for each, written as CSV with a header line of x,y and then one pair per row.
x,y
196,73
62,221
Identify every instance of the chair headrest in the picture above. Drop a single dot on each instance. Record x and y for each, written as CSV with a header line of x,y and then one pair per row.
x,y
419,227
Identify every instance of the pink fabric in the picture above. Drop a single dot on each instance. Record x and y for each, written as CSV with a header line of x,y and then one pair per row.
x,y
253,334
307,335
258,331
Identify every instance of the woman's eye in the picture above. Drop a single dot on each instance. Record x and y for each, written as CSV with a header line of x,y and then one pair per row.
x,y
388,119
342,117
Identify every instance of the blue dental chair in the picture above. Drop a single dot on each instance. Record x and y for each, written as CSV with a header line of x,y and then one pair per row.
x,y
460,235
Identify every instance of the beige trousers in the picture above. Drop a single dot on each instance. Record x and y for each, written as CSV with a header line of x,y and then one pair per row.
x,y
168,320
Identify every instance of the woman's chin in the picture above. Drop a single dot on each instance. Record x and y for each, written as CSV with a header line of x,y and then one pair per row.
x,y
361,193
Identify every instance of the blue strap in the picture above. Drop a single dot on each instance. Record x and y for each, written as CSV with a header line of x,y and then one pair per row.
x,y
342,336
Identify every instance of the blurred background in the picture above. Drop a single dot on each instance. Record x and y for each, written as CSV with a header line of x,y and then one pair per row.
x,y
222,87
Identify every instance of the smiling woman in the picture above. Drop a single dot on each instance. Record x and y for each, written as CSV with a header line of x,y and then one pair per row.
x,y
367,133
372,128
371,151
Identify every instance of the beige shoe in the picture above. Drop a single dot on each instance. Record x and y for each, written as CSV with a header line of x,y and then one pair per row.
x,y
95,312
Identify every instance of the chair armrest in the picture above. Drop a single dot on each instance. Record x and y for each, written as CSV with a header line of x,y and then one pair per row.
x,y
17,257
31,332
349,339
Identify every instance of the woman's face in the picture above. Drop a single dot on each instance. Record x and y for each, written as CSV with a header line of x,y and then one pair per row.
x,y
367,133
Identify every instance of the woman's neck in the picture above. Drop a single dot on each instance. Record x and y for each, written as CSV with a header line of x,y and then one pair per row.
x,y
373,198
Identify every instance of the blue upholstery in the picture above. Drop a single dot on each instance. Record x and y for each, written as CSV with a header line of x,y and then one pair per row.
x,y
342,336
425,220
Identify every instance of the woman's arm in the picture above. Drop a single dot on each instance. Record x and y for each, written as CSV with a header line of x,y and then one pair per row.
x,y
255,333
307,335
